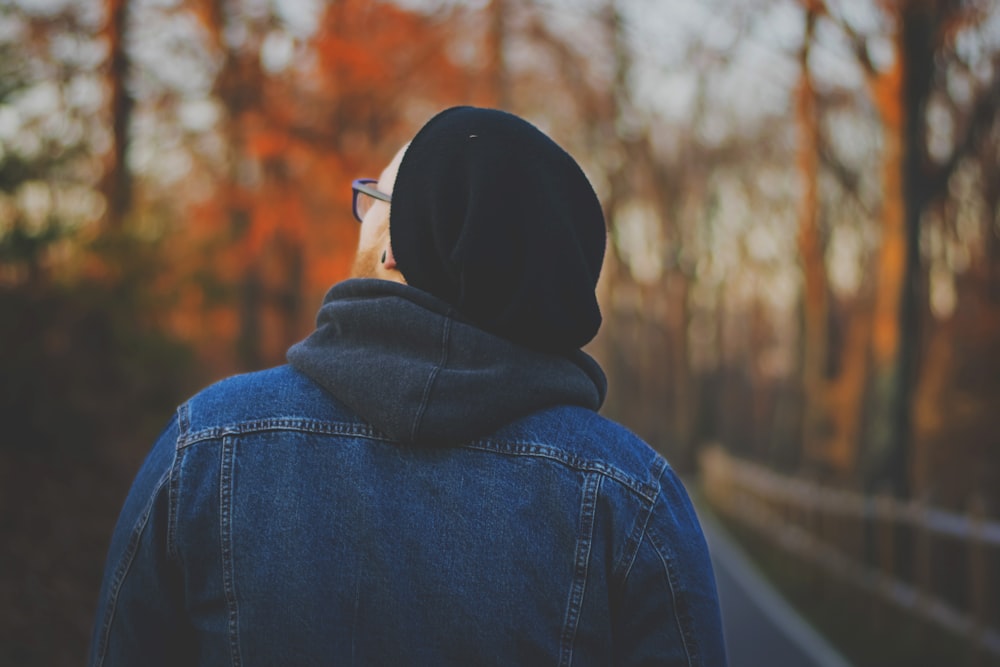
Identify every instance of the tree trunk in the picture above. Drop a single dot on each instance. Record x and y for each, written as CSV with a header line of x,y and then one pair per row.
x,y
684,387
901,97
990,166
238,86
117,180
815,297
499,76
292,303
251,320
845,389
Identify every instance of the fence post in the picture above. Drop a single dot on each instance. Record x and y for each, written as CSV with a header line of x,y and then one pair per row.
x,y
817,530
978,579
923,569
884,521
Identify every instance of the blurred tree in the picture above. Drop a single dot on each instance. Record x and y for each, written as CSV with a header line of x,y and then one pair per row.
x,y
239,85
920,37
812,251
499,73
921,34
117,179
78,322
295,137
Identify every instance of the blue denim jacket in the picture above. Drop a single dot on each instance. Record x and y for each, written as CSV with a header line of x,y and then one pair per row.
x,y
273,525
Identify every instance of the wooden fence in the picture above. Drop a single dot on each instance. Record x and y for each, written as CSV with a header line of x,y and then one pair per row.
x,y
860,539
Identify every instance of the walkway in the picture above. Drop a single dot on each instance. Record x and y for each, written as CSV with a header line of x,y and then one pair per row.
x,y
762,629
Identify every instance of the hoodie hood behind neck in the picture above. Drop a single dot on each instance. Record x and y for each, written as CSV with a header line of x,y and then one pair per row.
x,y
405,361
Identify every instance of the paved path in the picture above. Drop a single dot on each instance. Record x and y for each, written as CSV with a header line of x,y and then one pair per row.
x,y
762,630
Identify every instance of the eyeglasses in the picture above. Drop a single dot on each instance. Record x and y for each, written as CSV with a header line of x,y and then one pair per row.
x,y
365,194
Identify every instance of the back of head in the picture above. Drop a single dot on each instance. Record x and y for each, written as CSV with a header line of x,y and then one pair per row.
x,y
492,216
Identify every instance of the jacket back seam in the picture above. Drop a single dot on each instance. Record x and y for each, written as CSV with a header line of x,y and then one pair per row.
x,y
121,572
228,464
173,488
677,600
578,587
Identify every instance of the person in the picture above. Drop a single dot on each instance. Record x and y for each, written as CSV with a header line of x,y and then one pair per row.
x,y
427,481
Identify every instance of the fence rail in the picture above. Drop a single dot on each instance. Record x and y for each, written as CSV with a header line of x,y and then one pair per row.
x,y
796,515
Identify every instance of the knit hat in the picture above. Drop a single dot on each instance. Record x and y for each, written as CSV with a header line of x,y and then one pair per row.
x,y
492,216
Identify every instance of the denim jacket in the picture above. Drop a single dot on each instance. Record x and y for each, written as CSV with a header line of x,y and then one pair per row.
x,y
468,513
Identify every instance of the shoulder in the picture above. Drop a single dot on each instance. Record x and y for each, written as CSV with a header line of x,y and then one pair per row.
x,y
275,394
584,439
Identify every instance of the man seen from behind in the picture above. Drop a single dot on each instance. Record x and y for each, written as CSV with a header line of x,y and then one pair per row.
x,y
427,481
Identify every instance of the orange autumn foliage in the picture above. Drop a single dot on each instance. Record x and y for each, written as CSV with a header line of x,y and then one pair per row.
x,y
277,230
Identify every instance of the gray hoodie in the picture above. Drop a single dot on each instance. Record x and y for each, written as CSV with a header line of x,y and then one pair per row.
x,y
406,362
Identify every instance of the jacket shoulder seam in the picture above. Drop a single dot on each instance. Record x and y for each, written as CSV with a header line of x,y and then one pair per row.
x,y
301,424
645,490
634,541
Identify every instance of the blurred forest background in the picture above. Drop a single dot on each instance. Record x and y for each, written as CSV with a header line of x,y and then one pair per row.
x,y
803,200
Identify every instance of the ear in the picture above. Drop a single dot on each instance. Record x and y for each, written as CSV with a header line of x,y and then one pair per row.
x,y
388,261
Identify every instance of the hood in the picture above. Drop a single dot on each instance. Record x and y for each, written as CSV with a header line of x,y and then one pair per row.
x,y
407,363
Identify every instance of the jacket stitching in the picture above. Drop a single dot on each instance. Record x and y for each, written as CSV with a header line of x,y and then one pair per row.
x,y
591,486
121,573
680,607
228,460
184,417
173,497
281,424
631,550
634,541
646,490
173,489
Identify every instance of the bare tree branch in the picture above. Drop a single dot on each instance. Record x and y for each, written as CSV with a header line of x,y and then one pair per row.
x,y
981,118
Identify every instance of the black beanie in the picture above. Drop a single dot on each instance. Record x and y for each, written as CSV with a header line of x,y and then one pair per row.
x,y
492,216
